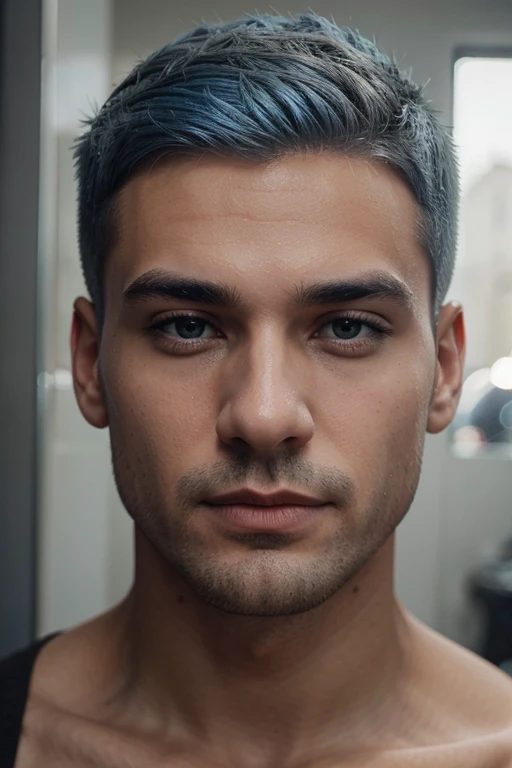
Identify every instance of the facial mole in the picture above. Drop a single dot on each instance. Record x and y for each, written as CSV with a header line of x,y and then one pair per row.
x,y
355,589
181,599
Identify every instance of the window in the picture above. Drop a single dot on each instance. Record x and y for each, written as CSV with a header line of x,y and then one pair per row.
x,y
483,275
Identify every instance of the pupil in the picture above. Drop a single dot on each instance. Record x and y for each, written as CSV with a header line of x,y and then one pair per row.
x,y
346,328
190,327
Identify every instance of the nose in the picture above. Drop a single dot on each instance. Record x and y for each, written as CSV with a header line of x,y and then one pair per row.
x,y
261,403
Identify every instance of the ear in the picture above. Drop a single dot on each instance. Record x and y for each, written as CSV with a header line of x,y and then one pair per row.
x,y
451,355
84,344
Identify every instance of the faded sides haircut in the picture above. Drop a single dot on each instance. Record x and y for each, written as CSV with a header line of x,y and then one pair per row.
x,y
261,88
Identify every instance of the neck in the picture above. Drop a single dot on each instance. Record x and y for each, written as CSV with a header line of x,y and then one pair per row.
x,y
288,681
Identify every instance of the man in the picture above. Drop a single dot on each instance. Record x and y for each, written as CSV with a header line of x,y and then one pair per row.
x,y
267,217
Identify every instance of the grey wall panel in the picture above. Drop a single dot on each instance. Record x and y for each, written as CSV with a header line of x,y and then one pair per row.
x,y
20,76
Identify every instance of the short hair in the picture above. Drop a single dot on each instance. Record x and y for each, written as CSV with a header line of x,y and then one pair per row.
x,y
260,88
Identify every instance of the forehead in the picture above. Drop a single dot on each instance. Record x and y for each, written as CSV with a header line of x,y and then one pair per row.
x,y
268,223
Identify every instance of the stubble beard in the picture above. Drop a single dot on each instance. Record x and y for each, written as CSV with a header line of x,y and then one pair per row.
x,y
268,579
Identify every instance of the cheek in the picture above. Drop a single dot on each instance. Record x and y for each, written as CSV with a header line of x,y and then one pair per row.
x,y
378,416
155,411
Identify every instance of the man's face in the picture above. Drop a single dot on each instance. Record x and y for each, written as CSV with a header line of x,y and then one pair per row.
x,y
329,400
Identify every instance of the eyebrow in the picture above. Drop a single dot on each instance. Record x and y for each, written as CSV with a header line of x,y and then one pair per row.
x,y
158,283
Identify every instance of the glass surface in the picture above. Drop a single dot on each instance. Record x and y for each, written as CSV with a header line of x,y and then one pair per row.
x,y
461,510
85,536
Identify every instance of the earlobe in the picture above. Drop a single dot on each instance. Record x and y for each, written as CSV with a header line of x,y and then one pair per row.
x,y
84,344
451,354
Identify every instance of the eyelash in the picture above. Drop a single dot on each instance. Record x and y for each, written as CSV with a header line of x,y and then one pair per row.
x,y
378,331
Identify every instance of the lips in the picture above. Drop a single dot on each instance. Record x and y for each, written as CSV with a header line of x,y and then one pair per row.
x,y
280,512
276,499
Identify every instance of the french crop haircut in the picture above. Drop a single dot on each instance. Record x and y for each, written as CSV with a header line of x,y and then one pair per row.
x,y
263,87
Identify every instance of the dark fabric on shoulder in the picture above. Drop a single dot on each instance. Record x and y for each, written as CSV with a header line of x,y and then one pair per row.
x,y
15,674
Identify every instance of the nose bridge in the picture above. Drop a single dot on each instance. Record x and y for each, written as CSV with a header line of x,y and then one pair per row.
x,y
264,405
265,377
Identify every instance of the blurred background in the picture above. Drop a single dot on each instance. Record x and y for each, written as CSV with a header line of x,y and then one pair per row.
x,y
65,540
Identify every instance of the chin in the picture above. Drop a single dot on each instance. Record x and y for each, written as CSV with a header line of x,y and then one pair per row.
x,y
267,583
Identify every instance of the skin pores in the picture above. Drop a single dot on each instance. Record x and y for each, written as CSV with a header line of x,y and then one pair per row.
x,y
267,395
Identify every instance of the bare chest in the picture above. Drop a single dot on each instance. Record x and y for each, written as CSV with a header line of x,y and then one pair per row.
x,y
61,741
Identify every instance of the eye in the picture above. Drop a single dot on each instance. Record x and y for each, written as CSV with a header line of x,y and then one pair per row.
x,y
349,328
347,332
184,327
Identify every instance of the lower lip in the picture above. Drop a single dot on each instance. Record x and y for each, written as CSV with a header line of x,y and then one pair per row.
x,y
287,517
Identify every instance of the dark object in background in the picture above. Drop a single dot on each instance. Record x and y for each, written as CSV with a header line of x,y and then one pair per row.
x,y
491,586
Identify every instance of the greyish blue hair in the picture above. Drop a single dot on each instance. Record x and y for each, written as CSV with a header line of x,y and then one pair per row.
x,y
260,88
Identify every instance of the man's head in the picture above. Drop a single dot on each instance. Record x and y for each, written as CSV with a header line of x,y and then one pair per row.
x,y
279,182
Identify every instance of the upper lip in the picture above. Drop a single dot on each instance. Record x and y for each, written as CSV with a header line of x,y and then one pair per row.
x,y
247,496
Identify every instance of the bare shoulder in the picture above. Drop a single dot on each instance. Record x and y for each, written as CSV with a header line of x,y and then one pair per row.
x,y
75,667
60,669
473,697
466,676
453,711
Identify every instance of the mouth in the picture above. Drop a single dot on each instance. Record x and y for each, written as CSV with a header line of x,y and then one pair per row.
x,y
281,518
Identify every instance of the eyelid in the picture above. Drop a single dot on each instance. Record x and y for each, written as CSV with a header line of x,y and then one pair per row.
x,y
368,318
376,323
179,314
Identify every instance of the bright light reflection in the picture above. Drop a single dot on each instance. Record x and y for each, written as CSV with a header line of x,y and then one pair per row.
x,y
477,380
501,373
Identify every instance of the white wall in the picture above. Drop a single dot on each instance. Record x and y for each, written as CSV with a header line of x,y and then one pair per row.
x,y
461,507
74,545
